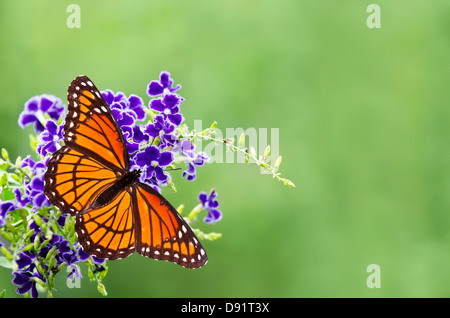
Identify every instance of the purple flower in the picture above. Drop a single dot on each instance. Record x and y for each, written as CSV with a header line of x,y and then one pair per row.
x,y
151,162
35,109
163,128
210,203
191,159
83,256
132,105
25,280
36,191
5,207
169,105
34,188
156,88
126,111
25,259
138,135
50,138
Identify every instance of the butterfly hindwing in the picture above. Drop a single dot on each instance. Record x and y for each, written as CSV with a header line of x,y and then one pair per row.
x,y
73,180
140,219
108,231
90,126
162,233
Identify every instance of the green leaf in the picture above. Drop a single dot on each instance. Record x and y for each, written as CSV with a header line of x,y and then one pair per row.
x,y
4,180
101,288
6,236
212,236
213,126
7,194
37,220
277,163
171,186
267,152
4,262
196,210
5,154
151,114
205,132
18,161
33,142
180,208
241,140
16,178
6,253
289,183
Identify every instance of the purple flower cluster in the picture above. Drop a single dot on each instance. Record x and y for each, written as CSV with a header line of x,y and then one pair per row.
x,y
210,204
33,193
154,145
30,265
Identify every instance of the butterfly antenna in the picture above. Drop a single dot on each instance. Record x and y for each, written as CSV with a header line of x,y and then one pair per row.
x,y
151,144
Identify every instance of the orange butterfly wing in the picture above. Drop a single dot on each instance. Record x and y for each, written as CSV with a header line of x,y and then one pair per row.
x,y
91,128
73,180
95,153
108,231
139,219
94,158
162,233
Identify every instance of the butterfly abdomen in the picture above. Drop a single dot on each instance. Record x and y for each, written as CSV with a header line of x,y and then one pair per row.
x,y
109,194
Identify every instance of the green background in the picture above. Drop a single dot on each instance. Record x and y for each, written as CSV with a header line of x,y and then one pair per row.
x,y
364,130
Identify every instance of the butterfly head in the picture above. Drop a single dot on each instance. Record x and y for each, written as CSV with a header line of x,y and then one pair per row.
x,y
136,174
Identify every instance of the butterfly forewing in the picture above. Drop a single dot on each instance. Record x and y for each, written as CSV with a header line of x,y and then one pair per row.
x,y
90,126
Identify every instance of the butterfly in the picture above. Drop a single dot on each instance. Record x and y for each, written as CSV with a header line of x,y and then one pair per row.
x,y
90,178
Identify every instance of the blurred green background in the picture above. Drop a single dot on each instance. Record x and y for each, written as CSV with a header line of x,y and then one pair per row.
x,y
364,133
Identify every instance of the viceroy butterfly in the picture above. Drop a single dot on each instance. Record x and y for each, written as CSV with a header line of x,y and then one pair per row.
x,y
115,214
